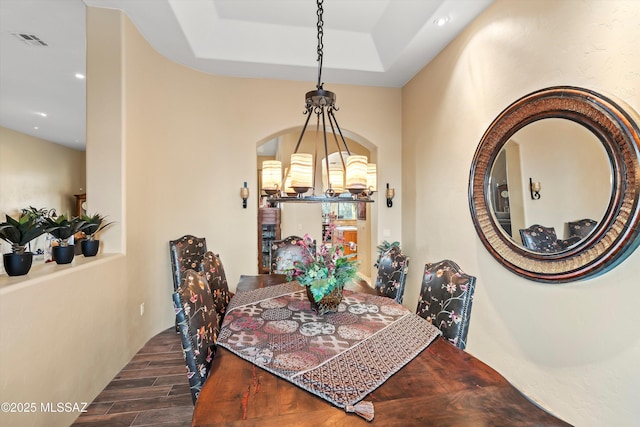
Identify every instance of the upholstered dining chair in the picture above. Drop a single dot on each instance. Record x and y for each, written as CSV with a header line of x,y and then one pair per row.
x,y
539,238
217,280
392,273
581,228
284,253
187,252
199,325
445,300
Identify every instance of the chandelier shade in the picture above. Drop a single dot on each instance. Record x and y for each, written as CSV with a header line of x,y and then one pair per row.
x,y
372,178
356,180
301,172
333,182
288,189
271,176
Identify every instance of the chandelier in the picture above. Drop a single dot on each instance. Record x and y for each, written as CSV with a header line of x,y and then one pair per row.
x,y
352,175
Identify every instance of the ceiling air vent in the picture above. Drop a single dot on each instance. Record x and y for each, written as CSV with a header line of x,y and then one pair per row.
x,y
30,39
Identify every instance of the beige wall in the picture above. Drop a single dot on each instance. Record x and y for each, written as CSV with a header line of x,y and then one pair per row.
x,y
64,336
39,173
572,347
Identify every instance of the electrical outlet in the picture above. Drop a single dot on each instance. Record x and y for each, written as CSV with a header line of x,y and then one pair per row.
x,y
141,309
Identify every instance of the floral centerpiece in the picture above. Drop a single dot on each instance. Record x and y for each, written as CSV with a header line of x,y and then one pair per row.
x,y
324,272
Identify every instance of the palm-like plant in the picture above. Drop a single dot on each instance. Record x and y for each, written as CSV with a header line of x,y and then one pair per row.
x,y
38,214
62,228
384,247
19,232
93,224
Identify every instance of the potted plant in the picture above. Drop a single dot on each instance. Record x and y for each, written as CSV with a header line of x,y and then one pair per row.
x,y
62,229
384,247
19,232
324,274
92,225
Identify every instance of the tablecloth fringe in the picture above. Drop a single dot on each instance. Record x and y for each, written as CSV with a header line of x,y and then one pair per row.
x,y
362,408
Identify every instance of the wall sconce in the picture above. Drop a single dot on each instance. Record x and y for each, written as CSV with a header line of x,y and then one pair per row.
x,y
535,188
244,193
390,194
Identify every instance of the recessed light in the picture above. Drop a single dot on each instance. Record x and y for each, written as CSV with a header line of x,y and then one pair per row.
x,y
79,76
36,127
41,114
441,21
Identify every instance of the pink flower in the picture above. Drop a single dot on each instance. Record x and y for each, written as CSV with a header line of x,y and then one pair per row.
x,y
455,317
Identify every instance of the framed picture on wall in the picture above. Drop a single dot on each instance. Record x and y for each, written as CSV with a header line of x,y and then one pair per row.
x,y
361,211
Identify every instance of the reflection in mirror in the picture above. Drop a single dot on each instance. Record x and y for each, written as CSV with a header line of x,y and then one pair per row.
x,y
575,174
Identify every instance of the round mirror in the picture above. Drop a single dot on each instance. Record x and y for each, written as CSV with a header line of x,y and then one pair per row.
x,y
554,188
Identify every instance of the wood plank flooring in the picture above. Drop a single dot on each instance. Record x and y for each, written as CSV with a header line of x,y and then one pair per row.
x,y
152,390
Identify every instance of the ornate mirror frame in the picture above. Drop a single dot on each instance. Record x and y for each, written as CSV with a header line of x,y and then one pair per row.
x,y
616,235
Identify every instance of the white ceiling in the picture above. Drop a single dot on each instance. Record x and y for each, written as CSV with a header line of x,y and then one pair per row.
x,y
366,42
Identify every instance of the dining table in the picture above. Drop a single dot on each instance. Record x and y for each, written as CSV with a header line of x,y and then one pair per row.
x,y
441,385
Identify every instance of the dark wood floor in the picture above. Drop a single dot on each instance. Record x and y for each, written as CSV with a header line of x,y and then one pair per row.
x,y
152,390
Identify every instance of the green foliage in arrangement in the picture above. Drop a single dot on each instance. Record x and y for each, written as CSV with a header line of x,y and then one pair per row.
x,y
93,224
62,228
323,270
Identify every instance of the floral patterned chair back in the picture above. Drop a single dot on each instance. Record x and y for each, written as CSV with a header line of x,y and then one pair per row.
x,y
445,300
581,228
392,273
214,273
285,252
562,244
198,325
187,253
539,238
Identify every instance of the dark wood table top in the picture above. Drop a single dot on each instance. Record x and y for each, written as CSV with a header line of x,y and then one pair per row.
x,y
442,386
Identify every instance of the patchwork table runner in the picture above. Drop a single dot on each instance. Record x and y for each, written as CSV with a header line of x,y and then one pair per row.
x,y
341,357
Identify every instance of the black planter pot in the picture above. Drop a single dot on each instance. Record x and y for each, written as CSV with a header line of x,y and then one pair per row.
x,y
90,247
17,264
63,254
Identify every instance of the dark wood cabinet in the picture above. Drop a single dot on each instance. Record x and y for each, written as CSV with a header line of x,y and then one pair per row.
x,y
268,231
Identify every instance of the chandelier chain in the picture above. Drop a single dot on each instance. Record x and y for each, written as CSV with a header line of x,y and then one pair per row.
x,y
319,26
